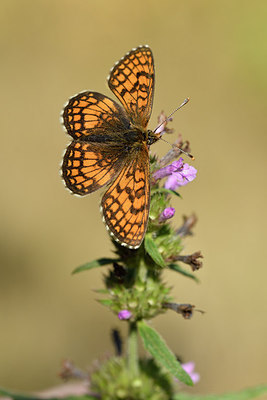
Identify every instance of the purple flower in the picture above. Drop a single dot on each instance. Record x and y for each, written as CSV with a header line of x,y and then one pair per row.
x,y
167,213
178,173
169,169
189,368
124,314
181,177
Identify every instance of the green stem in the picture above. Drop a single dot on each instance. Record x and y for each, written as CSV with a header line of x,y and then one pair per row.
x,y
132,356
142,270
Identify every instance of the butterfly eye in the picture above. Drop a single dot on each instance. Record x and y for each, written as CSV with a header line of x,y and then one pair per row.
x,y
153,137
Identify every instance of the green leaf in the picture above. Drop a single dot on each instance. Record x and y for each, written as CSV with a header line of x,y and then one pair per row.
x,y
167,191
105,302
178,268
156,346
17,396
152,250
95,264
246,394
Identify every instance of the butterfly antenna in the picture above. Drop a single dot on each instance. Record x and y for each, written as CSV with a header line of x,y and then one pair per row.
x,y
184,152
169,117
179,148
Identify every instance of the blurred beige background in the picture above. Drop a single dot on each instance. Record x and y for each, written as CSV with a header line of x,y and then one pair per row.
x,y
216,53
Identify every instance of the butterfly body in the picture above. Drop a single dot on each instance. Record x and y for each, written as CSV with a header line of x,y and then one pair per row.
x,y
111,146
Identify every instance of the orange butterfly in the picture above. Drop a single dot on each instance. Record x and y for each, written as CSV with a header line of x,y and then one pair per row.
x,y
111,144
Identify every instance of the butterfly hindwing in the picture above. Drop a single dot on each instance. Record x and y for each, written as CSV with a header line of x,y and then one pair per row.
x,y
125,204
89,166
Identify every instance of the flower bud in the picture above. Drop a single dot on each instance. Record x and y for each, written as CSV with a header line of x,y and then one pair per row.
x,y
167,213
124,314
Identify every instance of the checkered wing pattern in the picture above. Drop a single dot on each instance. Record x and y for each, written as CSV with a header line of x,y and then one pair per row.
x,y
125,204
89,166
132,81
110,146
92,113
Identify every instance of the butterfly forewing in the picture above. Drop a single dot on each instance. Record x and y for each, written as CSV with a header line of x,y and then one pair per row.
x,y
92,113
132,81
125,204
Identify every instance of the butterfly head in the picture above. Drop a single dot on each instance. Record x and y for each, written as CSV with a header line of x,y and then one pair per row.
x,y
152,137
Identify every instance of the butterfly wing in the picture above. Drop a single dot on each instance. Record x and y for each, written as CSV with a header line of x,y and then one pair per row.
x,y
125,205
93,114
94,158
132,81
89,166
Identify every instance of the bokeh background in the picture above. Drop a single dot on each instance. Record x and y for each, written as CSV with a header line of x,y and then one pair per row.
x,y
216,53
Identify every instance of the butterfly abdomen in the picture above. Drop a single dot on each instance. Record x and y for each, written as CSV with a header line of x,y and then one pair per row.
x,y
100,139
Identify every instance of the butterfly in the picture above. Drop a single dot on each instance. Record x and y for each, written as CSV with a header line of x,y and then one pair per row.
x,y
111,146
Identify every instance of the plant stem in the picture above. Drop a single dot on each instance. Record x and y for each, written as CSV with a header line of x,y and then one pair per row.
x,y
132,356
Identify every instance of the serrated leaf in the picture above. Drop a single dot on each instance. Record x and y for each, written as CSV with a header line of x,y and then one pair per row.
x,y
152,250
246,394
95,264
157,347
178,268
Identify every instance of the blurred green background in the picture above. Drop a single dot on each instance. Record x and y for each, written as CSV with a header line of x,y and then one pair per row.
x,y
216,53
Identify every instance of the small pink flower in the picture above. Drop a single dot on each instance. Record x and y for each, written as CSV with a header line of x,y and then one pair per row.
x,y
167,213
124,314
189,368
